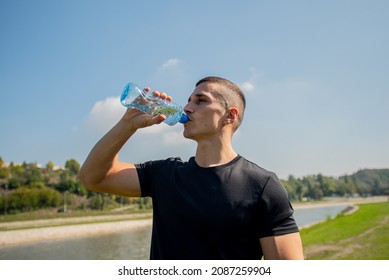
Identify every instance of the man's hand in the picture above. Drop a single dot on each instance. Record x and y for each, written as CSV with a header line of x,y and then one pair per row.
x,y
138,119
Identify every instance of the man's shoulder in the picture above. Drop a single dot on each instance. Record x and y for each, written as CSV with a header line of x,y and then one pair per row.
x,y
256,174
160,163
250,166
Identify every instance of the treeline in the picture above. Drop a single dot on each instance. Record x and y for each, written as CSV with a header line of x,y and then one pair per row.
x,y
366,182
28,187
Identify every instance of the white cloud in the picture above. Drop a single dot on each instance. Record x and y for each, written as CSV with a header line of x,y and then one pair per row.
x,y
105,114
247,86
171,63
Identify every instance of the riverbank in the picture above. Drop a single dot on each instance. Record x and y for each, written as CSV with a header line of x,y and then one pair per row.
x,y
339,201
361,236
24,232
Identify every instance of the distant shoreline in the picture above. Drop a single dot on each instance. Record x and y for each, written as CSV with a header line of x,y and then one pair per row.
x,y
90,226
339,201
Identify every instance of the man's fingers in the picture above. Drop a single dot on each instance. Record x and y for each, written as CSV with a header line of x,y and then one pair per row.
x,y
162,95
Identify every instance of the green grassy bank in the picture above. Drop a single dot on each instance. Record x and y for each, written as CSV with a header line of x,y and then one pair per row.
x,y
362,235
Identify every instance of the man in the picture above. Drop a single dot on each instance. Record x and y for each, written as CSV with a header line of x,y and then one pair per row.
x,y
218,205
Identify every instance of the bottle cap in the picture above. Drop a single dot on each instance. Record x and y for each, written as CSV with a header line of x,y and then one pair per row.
x,y
184,118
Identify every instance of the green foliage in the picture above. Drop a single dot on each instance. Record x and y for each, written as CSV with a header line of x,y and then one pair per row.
x,y
372,181
68,182
27,186
144,203
29,198
50,166
72,166
102,201
363,183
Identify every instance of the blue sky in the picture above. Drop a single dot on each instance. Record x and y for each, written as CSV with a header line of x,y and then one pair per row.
x,y
314,74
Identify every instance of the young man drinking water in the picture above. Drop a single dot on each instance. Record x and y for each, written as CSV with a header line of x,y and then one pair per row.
x,y
216,205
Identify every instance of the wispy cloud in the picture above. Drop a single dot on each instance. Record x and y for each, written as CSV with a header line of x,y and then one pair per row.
x,y
250,84
172,62
247,86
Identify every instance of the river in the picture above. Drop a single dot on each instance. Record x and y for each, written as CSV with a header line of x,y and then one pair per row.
x,y
127,245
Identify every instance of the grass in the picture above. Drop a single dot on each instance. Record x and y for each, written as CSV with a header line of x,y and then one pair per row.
x,y
362,235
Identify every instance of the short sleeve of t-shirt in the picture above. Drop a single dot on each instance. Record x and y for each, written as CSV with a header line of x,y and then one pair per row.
x,y
144,179
150,171
275,210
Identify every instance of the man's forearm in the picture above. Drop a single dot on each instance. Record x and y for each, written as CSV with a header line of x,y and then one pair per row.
x,y
104,154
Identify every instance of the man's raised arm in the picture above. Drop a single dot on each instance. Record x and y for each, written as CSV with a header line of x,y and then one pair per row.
x,y
102,171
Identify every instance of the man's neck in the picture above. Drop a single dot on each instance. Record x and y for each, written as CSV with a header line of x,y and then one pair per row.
x,y
209,154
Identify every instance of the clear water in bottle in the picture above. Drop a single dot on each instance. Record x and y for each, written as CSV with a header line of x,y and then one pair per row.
x,y
137,98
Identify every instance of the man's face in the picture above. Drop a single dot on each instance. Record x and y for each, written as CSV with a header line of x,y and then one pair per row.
x,y
206,112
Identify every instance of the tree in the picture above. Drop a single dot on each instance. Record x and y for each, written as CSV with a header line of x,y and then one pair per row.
x,y
50,166
33,174
30,198
72,166
4,171
68,182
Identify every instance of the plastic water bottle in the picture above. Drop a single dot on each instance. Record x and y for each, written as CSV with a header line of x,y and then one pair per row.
x,y
134,97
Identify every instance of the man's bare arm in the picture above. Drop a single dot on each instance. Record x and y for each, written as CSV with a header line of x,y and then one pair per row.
x,y
283,247
102,171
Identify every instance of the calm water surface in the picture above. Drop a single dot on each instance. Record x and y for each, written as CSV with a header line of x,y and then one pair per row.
x,y
308,216
127,245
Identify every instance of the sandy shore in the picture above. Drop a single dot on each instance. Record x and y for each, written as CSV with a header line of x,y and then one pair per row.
x,y
24,236
339,201
17,233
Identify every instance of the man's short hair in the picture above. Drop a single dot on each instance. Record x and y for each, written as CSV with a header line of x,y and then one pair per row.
x,y
233,96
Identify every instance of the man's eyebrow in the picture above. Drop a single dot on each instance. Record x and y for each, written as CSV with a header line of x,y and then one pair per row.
x,y
198,95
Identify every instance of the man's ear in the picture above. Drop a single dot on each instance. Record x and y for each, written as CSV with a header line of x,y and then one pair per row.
x,y
232,115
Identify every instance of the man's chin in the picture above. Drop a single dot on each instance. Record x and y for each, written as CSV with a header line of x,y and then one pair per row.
x,y
187,135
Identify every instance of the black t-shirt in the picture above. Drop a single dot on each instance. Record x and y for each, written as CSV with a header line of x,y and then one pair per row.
x,y
213,213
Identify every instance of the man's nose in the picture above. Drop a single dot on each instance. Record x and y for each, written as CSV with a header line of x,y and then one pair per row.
x,y
188,109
